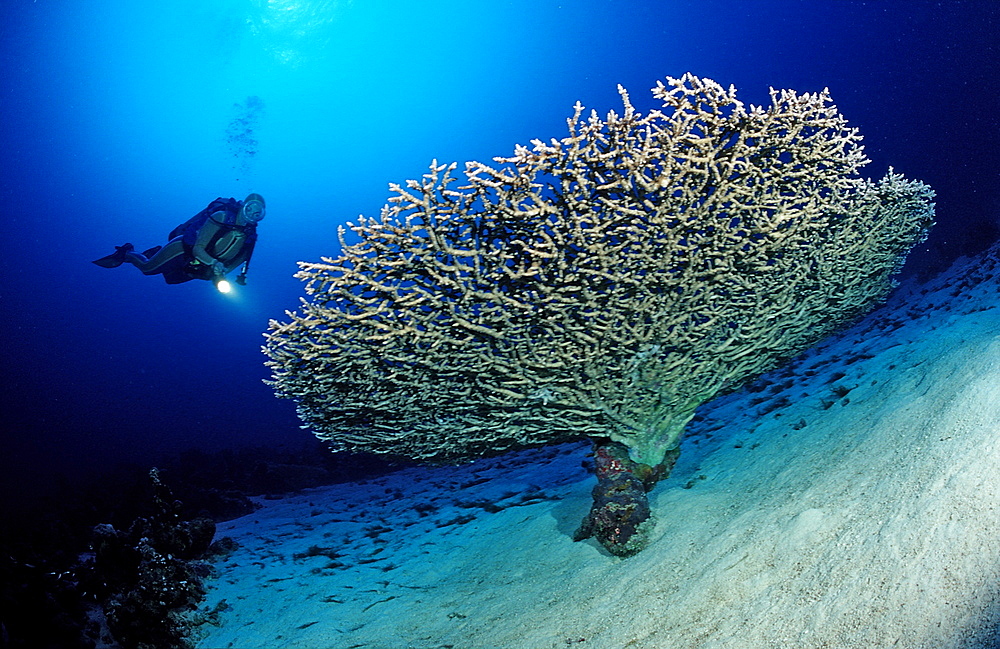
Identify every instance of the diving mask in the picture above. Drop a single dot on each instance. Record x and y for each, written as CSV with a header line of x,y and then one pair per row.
x,y
253,208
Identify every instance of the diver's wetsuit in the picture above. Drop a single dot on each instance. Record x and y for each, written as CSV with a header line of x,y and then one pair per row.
x,y
217,241
224,238
212,243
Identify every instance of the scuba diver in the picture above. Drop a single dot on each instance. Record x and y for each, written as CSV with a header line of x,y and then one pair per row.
x,y
210,244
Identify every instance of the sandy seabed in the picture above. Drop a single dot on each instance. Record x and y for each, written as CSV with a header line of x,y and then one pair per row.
x,y
849,500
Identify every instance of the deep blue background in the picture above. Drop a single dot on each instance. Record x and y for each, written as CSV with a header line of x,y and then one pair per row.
x,y
119,119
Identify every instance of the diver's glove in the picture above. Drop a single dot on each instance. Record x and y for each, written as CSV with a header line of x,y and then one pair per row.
x,y
219,269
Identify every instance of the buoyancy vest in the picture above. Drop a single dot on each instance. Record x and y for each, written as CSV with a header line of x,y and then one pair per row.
x,y
189,232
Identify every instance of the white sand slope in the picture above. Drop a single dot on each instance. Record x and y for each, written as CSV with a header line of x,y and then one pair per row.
x,y
849,500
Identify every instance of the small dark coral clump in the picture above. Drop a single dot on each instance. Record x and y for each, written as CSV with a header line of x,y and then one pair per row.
x,y
620,518
151,575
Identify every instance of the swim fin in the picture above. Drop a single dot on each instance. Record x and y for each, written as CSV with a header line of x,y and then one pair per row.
x,y
115,259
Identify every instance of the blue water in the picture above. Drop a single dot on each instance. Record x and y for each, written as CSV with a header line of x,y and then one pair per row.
x,y
119,120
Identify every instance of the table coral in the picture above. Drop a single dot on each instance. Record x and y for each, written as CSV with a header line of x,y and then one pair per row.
x,y
604,284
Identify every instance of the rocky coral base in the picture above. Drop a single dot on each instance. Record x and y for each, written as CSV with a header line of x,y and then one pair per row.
x,y
620,518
